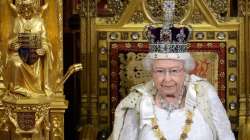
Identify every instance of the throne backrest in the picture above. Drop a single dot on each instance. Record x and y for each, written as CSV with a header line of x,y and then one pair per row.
x,y
214,44
122,59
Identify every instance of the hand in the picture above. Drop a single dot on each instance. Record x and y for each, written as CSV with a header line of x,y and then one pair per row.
x,y
41,51
14,45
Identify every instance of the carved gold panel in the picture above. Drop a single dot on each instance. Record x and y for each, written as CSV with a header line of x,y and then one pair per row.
x,y
40,118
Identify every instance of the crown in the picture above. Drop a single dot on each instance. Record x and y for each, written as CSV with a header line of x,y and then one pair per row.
x,y
168,38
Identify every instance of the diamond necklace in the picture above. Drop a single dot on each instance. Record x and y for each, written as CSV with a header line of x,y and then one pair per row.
x,y
170,107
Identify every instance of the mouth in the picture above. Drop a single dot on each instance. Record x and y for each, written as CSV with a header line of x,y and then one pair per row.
x,y
168,90
170,96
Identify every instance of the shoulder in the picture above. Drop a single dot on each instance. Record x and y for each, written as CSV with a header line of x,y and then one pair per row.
x,y
39,19
130,101
201,84
18,20
203,88
197,79
136,92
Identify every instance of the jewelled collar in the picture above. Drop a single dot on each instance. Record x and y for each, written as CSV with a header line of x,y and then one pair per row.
x,y
186,129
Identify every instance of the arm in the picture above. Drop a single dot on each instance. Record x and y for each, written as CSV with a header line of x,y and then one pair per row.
x,y
44,40
130,127
125,115
13,42
46,49
219,115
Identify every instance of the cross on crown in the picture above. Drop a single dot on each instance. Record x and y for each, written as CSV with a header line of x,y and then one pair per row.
x,y
168,38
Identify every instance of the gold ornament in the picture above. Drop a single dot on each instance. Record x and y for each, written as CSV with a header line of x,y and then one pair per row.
x,y
186,129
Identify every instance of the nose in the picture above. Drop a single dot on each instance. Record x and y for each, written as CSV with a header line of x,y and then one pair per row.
x,y
167,76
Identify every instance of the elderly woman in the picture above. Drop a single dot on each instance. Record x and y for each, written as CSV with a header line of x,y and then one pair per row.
x,y
174,104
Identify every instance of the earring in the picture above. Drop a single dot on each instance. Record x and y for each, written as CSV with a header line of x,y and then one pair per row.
x,y
154,90
186,79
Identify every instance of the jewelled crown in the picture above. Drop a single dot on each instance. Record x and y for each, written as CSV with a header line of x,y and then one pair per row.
x,y
168,38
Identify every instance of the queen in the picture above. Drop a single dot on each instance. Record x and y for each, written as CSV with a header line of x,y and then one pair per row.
x,y
174,104
29,57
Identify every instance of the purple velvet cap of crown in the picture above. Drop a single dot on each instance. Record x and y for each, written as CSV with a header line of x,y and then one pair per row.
x,y
158,35
168,40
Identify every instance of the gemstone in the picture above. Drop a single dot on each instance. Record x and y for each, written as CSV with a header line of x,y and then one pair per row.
x,y
232,50
135,36
233,105
232,77
199,35
113,36
221,35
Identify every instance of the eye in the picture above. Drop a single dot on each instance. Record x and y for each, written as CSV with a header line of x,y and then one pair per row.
x,y
174,70
159,71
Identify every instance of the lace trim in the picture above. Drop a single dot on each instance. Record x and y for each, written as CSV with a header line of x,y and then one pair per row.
x,y
186,129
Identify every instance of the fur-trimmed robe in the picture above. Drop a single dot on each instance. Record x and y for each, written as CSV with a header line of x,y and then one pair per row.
x,y
200,97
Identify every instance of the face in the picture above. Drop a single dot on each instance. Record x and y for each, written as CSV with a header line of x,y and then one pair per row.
x,y
26,10
168,76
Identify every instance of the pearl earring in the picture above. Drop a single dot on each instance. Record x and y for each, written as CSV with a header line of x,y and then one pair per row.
x,y
186,79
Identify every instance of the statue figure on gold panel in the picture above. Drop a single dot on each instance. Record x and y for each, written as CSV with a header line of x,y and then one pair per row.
x,y
30,58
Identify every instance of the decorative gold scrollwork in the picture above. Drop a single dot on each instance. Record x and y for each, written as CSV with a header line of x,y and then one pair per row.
x,y
218,7
28,119
116,7
153,10
138,17
3,121
57,127
88,8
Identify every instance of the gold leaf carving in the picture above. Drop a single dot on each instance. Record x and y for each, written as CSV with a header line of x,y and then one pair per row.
x,y
138,17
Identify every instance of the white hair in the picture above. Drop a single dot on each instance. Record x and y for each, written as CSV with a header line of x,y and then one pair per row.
x,y
189,63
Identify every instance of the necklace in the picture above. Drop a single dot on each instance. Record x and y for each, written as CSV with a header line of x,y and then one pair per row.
x,y
170,107
186,129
